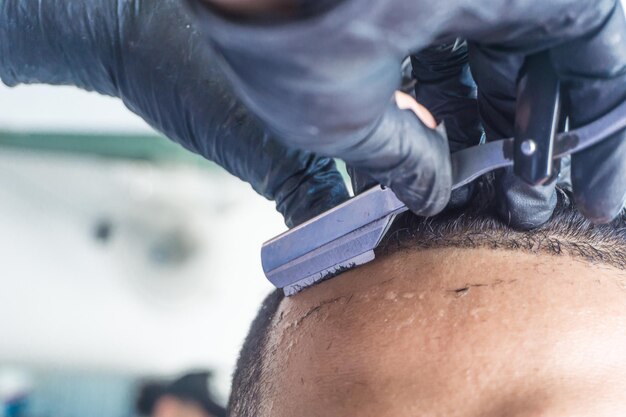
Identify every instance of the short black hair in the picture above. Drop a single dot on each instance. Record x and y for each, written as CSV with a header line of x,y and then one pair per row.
x,y
475,226
246,395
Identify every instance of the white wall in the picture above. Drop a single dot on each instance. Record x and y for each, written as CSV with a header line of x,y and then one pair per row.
x,y
64,109
67,300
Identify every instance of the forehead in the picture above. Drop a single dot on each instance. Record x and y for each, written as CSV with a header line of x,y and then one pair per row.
x,y
454,333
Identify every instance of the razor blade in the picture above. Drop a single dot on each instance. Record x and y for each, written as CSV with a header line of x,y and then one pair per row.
x,y
347,236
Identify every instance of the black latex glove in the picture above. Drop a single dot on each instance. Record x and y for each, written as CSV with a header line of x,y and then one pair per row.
x,y
331,92
445,86
148,53
323,82
593,70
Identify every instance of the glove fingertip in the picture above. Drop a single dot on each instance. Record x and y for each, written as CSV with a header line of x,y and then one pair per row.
x,y
602,211
524,220
522,206
326,190
430,203
599,179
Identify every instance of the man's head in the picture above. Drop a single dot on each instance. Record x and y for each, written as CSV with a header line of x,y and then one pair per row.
x,y
459,316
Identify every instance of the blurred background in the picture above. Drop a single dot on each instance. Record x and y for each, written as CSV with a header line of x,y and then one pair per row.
x,y
125,259
130,267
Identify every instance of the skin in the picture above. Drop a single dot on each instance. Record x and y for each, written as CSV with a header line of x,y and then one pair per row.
x,y
453,332
406,102
169,406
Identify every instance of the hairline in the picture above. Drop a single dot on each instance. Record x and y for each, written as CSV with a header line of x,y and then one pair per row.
x,y
567,233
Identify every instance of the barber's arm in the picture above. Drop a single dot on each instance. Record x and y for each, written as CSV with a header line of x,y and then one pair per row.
x,y
149,54
322,80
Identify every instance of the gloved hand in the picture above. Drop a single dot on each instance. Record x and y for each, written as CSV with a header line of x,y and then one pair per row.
x,y
321,79
148,53
593,71
331,92
444,85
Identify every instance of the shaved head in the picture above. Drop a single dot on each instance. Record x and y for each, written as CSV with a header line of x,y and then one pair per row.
x,y
458,316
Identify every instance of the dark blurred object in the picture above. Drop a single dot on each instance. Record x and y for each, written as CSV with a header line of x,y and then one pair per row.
x,y
103,230
15,407
188,396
